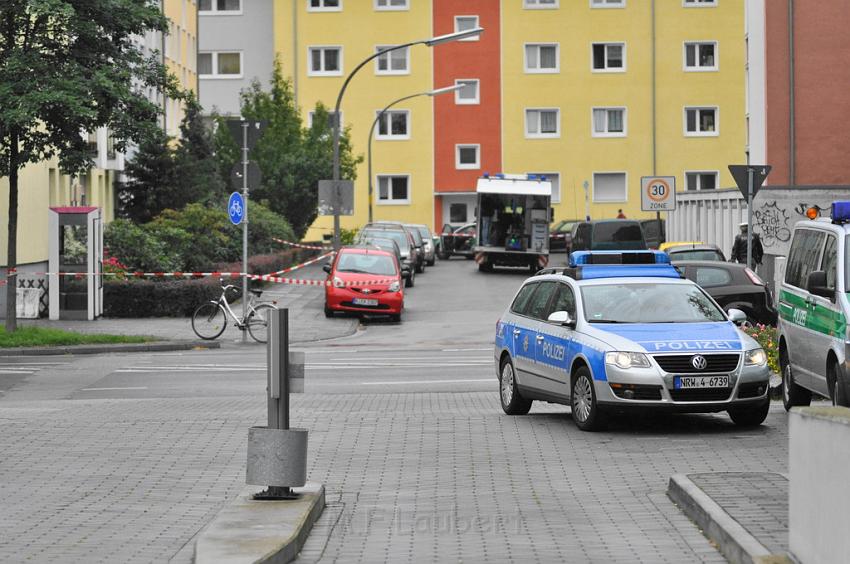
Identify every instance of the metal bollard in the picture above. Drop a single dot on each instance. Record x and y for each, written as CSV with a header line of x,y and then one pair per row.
x,y
277,454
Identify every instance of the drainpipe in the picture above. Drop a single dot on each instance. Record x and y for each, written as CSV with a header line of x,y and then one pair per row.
x,y
792,141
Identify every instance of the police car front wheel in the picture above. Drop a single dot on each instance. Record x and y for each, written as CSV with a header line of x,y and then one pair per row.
x,y
512,402
750,416
586,412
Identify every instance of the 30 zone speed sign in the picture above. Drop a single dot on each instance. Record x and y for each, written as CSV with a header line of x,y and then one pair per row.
x,y
657,193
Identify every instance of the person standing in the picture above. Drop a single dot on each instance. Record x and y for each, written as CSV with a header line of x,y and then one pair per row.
x,y
620,214
739,247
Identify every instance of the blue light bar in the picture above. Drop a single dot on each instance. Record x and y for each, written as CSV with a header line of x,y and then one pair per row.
x,y
629,271
642,258
500,175
840,212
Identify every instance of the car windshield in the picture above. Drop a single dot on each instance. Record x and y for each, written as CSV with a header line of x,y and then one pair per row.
x,y
386,244
423,232
648,303
396,235
617,235
695,255
362,263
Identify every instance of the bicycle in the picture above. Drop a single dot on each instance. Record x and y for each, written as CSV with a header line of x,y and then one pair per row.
x,y
210,319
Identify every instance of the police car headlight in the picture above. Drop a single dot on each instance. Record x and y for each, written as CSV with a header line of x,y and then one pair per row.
x,y
394,287
338,283
755,357
627,359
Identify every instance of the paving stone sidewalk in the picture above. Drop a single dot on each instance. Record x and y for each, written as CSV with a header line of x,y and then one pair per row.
x,y
758,501
305,303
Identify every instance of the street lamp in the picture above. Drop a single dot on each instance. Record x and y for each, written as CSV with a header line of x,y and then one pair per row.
x,y
430,43
380,115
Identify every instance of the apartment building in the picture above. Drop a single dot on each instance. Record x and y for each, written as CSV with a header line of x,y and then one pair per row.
x,y
592,93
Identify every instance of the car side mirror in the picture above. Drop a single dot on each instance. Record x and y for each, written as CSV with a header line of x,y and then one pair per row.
x,y
736,316
816,284
562,318
327,268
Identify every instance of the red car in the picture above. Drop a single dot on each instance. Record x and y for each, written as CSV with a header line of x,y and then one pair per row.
x,y
364,281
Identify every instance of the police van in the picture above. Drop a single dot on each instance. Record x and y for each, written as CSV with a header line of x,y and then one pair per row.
x,y
621,330
813,310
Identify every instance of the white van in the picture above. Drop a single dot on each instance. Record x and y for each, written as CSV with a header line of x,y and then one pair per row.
x,y
813,311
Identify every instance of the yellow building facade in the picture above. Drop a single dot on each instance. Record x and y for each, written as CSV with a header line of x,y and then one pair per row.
x,y
180,51
593,93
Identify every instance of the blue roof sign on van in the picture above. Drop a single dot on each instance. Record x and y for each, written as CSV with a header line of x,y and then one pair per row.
x,y
582,258
589,265
840,212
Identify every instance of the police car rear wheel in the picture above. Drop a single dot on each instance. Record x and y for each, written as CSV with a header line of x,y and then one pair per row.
x,y
792,394
750,417
512,402
586,412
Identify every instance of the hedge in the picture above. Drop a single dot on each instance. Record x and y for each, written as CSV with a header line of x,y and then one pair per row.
x,y
179,298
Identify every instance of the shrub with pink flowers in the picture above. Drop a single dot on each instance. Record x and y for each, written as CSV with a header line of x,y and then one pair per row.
x,y
766,336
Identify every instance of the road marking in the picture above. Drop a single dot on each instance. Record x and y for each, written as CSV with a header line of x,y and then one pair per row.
x,y
163,369
111,389
397,383
466,350
7,371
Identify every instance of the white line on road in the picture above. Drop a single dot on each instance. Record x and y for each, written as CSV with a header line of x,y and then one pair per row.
x,y
397,383
5,371
466,350
111,389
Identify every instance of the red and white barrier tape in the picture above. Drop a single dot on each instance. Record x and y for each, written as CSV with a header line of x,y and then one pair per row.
x,y
300,245
308,282
303,264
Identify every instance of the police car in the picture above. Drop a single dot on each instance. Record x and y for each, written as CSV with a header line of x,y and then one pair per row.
x,y
621,330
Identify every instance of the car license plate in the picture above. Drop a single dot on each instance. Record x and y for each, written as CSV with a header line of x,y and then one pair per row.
x,y
364,302
689,382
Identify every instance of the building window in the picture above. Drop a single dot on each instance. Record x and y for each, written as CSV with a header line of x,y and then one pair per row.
x,y
394,189
607,3
701,56
541,57
465,23
467,156
391,5
542,123
325,61
609,187
701,121
223,7
457,212
609,57
394,124
554,179
699,3
219,64
312,114
324,5
540,4
609,122
701,180
393,62
469,93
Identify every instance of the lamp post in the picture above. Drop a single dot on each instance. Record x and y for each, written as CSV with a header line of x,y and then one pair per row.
x,y
380,116
336,173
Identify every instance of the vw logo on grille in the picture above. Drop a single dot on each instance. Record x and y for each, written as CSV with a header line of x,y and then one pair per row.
x,y
699,362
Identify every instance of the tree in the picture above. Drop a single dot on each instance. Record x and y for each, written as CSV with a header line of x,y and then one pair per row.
x,y
70,66
168,174
292,158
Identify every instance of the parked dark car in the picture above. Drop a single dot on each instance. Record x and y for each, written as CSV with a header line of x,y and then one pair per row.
x,y
560,234
417,242
607,235
385,244
695,251
654,232
405,245
733,285
460,241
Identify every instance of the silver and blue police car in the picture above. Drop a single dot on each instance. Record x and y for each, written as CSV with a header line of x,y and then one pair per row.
x,y
621,330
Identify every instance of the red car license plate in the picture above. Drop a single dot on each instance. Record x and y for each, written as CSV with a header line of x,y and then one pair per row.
x,y
364,302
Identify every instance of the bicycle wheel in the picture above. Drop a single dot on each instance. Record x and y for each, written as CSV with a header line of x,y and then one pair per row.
x,y
209,321
258,322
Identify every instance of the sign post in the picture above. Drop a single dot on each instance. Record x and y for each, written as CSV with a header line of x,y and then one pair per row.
x,y
658,193
749,179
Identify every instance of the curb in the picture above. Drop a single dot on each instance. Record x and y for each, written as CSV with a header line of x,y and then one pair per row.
x,y
260,531
732,539
154,346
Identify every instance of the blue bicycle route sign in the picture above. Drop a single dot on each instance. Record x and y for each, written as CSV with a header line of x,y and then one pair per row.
x,y
236,208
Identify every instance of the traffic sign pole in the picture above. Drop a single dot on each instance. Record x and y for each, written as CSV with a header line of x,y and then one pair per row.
x,y
750,218
245,126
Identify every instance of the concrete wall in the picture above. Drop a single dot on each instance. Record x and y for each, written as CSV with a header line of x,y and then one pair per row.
x,y
819,496
252,33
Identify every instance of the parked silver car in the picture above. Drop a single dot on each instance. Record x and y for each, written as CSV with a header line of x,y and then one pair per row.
x,y
428,240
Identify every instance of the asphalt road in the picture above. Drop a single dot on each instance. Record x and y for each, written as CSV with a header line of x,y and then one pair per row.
x,y
126,457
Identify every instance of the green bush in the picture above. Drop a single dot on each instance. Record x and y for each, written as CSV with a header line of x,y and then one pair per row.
x,y
766,337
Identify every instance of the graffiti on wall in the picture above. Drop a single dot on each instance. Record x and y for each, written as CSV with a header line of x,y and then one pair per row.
x,y
803,206
771,223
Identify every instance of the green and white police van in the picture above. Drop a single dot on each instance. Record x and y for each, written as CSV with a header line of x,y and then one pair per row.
x,y
814,345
